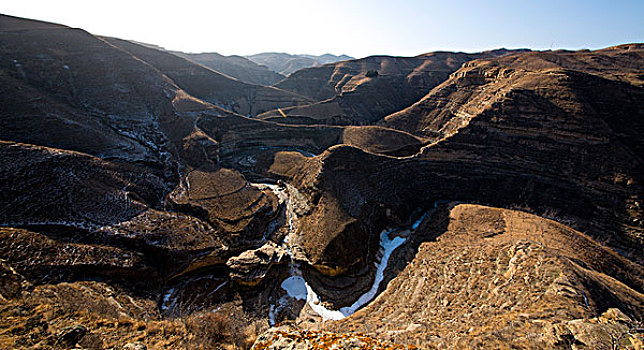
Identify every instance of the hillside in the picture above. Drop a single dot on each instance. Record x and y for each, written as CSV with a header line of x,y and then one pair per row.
x,y
491,81
475,276
211,86
552,143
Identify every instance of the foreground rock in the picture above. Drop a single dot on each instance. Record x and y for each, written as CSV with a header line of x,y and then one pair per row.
x,y
285,338
48,316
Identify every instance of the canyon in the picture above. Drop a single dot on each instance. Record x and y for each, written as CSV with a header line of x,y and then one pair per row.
x,y
158,199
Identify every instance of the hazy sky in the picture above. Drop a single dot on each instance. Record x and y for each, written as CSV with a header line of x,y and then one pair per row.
x,y
357,28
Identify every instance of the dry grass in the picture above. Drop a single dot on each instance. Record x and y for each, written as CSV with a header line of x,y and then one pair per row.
x,y
34,321
226,328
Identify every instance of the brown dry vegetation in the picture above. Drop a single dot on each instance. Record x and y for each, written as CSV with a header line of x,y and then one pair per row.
x,y
35,318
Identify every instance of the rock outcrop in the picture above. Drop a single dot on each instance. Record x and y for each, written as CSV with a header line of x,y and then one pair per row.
x,y
250,267
285,338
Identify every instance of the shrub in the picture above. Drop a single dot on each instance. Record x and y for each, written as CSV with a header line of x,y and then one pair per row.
x,y
211,330
372,73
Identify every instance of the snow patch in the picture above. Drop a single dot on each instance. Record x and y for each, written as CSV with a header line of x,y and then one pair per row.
x,y
218,288
271,315
75,224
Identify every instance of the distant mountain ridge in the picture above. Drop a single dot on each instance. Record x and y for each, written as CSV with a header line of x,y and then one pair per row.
x,y
286,64
235,66
267,68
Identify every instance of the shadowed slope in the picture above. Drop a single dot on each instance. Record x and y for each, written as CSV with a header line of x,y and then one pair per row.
x,y
211,86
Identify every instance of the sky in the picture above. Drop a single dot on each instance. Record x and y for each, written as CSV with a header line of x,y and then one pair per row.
x,y
357,28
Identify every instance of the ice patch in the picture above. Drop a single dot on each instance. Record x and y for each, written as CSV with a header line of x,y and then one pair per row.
x,y
81,225
387,245
218,288
314,302
166,299
296,287
271,315
283,196
417,222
